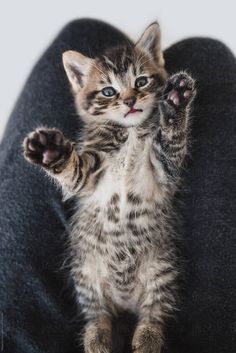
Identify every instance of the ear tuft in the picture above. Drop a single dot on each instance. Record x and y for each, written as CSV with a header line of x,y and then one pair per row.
x,y
150,42
77,67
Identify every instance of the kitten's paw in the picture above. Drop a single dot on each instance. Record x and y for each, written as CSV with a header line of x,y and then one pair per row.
x,y
98,336
179,90
147,338
46,147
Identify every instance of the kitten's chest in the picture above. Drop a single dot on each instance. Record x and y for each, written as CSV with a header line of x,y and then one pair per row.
x,y
130,170
127,159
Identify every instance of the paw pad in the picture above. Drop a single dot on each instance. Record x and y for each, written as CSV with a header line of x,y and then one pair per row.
x,y
180,90
45,147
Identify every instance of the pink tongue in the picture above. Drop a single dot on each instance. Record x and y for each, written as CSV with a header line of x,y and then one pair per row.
x,y
132,110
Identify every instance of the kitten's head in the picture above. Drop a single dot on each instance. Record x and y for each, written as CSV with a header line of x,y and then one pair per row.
x,y
122,85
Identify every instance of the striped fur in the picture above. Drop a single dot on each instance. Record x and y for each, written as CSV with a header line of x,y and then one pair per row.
x,y
124,172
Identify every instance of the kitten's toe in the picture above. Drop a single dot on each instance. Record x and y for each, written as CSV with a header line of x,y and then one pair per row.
x,y
33,148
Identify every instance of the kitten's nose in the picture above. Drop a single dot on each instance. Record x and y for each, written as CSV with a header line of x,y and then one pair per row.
x,y
130,101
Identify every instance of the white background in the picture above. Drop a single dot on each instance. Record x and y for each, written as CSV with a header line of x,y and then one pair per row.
x,y
28,26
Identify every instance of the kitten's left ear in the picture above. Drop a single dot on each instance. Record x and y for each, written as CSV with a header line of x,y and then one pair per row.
x,y
150,41
77,67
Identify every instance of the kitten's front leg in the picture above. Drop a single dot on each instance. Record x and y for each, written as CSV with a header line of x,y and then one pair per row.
x,y
57,155
178,94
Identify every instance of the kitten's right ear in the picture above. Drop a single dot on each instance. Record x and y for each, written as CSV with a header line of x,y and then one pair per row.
x,y
77,67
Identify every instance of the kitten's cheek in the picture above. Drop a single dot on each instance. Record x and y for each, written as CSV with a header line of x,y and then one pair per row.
x,y
122,113
149,103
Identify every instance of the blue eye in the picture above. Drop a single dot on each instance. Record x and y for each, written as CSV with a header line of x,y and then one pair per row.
x,y
141,81
108,91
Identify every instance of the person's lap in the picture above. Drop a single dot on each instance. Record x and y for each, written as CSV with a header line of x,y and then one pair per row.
x,y
37,303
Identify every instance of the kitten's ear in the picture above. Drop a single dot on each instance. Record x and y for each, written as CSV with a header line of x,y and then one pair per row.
x,y
77,67
150,41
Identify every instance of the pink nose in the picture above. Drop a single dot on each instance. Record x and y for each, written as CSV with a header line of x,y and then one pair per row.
x,y
130,101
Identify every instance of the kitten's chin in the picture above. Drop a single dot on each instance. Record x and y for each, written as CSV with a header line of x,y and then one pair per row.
x,y
137,118
133,119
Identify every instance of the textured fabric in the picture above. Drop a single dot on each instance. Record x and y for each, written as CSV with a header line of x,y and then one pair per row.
x,y
39,311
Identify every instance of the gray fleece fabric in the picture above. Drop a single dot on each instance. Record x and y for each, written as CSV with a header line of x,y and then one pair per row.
x,y
36,297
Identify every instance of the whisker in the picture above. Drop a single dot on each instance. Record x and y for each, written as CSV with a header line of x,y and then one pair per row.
x,y
139,58
151,58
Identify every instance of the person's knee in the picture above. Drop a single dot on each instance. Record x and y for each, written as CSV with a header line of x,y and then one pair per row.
x,y
205,58
90,36
80,25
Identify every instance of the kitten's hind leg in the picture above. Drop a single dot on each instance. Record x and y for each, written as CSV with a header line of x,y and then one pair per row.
x,y
98,335
156,305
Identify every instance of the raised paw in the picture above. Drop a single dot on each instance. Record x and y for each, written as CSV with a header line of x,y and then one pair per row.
x,y
179,90
46,147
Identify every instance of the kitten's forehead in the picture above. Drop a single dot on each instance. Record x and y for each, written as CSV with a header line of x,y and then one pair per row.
x,y
117,59
124,81
122,63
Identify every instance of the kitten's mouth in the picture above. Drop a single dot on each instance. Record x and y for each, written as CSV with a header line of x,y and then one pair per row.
x,y
133,110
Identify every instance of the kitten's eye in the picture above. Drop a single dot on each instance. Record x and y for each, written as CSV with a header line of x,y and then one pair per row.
x,y
141,81
108,91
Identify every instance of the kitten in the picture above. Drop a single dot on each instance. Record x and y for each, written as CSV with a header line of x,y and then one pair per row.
x,y
125,171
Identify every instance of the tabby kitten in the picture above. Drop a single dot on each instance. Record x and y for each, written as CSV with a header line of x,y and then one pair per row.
x,y
124,171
